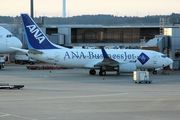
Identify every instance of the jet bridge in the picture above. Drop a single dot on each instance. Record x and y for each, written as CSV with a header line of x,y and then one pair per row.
x,y
159,43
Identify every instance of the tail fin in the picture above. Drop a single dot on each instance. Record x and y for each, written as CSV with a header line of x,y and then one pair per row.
x,y
34,36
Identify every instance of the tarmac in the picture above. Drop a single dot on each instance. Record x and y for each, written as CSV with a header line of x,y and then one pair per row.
x,y
73,94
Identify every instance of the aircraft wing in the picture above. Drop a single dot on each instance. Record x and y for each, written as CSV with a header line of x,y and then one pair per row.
x,y
107,61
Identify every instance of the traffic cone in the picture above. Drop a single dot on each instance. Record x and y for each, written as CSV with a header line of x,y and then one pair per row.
x,y
103,78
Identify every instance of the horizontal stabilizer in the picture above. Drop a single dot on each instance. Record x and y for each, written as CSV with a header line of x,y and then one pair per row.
x,y
33,51
19,49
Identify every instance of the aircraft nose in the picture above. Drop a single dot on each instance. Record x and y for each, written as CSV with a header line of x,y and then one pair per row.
x,y
170,61
17,43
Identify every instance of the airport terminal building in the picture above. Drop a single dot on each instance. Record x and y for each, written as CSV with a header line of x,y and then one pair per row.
x,y
164,39
96,35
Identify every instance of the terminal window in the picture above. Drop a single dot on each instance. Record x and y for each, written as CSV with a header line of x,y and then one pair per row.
x,y
177,53
105,35
50,31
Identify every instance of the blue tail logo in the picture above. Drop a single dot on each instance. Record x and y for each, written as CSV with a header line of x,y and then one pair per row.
x,y
37,34
34,36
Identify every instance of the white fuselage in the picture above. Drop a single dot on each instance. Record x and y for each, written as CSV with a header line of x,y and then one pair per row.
x,y
87,58
8,40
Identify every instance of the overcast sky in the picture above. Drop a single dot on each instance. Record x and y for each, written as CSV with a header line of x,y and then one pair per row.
x,y
91,7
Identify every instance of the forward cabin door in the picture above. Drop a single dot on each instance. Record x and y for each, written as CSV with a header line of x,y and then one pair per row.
x,y
155,58
56,58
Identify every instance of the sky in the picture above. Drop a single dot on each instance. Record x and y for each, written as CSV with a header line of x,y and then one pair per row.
x,y
53,8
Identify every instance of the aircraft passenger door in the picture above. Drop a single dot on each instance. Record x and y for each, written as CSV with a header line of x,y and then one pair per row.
x,y
56,58
154,58
6,40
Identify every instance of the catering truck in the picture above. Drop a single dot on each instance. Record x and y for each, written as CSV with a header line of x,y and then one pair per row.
x,y
22,58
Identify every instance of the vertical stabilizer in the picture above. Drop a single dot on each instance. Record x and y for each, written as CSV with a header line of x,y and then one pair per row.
x,y
36,39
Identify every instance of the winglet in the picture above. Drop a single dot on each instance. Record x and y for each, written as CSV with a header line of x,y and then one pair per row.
x,y
105,55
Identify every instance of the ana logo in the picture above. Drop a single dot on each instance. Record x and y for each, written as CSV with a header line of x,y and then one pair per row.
x,y
37,34
143,58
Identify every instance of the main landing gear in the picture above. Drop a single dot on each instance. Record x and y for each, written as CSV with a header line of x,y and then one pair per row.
x,y
92,72
101,72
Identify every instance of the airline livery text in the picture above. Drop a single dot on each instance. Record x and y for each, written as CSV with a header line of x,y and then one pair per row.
x,y
91,55
37,34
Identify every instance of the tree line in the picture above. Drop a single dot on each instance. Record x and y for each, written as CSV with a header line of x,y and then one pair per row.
x,y
174,18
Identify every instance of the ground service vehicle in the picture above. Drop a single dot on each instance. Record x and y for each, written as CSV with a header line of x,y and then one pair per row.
x,y
22,58
2,62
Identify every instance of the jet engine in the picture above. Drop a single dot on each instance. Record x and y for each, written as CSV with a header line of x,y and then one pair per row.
x,y
127,67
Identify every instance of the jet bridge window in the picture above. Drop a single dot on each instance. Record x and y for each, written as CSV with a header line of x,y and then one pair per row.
x,y
177,53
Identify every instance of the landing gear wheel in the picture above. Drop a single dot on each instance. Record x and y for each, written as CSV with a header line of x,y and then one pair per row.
x,y
16,62
21,62
92,72
102,73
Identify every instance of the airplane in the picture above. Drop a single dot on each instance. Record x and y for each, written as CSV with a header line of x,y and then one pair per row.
x,y
119,60
7,39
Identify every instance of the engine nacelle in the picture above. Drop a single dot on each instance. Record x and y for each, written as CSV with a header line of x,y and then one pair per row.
x,y
127,67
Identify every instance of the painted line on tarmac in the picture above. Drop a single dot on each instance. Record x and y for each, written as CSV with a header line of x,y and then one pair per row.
x,y
6,115
51,98
23,117
171,79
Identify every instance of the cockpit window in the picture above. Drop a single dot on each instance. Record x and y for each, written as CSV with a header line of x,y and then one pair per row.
x,y
163,56
9,35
